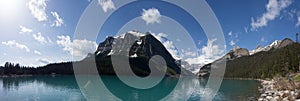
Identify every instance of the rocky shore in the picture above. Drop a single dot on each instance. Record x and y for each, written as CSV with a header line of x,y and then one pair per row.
x,y
272,90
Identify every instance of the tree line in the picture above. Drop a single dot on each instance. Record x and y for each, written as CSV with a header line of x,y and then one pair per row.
x,y
55,68
266,64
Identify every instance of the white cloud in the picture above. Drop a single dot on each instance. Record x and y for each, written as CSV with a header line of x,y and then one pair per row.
x,y
79,48
160,36
38,9
172,49
38,37
201,60
232,43
199,42
13,43
168,44
233,37
274,7
298,23
37,52
49,40
107,5
83,47
25,30
188,53
58,20
263,39
291,13
65,41
151,16
209,53
211,50
246,29
230,33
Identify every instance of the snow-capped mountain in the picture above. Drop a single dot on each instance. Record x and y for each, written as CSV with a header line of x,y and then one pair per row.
x,y
194,68
259,48
140,48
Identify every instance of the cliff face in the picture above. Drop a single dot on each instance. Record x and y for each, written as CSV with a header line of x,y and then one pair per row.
x,y
285,42
139,48
236,53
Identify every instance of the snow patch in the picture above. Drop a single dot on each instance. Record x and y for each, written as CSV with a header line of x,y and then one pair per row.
x,y
134,55
133,32
110,53
139,42
274,44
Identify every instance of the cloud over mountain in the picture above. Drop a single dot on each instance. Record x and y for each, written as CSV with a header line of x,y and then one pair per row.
x,y
78,48
151,16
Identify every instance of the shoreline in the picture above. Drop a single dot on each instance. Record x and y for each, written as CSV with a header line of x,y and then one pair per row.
x,y
273,90
5,76
242,78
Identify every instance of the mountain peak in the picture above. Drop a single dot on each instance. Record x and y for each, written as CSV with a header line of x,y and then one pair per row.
x,y
234,48
259,47
285,42
275,44
135,33
139,48
236,53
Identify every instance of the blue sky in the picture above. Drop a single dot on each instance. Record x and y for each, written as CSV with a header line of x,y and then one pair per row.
x,y
37,32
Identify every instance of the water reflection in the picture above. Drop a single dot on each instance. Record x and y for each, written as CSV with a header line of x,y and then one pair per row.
x,y
10,84
65,88
62,88
13,83
230,90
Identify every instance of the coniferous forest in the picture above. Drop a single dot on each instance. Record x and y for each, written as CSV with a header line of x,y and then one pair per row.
x,y
265,64
16,69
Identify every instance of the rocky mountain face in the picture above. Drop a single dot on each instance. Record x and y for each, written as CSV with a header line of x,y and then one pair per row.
x,y
285,42
139,48
236,53
279,52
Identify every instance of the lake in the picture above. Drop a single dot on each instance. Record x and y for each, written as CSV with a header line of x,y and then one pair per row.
x,y
65,88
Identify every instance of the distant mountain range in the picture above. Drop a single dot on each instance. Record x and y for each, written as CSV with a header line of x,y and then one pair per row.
x,y
275,44
280,57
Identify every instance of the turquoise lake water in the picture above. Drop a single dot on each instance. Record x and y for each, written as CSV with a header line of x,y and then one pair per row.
x,y
65,88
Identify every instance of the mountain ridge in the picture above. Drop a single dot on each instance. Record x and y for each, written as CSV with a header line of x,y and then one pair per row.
x,y
277,60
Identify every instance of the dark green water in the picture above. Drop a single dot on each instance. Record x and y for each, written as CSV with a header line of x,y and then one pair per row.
x,y
65,88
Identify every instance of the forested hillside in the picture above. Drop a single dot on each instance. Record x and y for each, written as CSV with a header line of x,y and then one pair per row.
x,y
265,64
